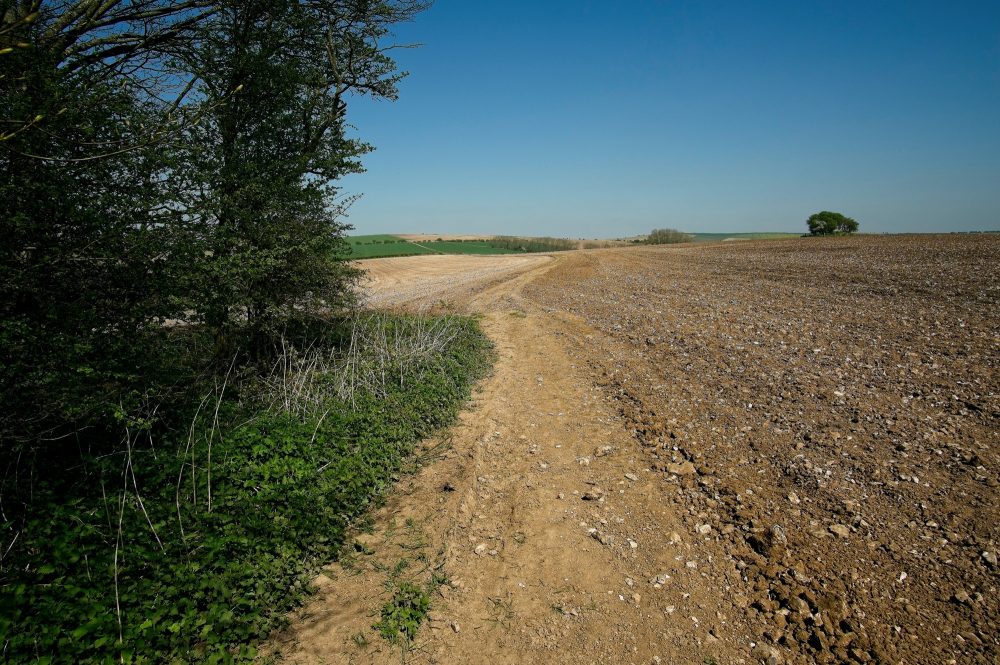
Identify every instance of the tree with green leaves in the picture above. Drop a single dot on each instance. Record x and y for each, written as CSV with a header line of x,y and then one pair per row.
x,y
170,159
829,223
667,237
266,160
94,255
167,164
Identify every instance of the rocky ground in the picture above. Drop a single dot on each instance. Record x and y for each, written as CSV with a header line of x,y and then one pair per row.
x,y
778,452
829,412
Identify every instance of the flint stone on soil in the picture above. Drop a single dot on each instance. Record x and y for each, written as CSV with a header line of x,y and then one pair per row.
x,y
840,530
681,469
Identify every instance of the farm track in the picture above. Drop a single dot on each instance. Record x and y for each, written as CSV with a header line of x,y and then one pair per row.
x,y
802,466
427,280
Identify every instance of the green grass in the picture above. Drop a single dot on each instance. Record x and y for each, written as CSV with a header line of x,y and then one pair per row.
x,y
193,543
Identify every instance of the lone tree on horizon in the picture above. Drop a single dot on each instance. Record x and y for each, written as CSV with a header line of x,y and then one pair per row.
x,y
828,223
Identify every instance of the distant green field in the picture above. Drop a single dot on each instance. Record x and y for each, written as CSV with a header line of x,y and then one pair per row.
x,y
466,247
382,246
401,248
718,237
378,246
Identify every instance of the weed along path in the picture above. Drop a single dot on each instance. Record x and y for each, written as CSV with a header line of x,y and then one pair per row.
x,y
696,454
535,530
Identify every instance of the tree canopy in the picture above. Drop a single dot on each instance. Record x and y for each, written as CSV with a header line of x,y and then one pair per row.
x,y
171,218
667,237
828,223
165,161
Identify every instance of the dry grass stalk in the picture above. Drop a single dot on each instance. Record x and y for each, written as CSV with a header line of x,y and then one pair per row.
x,y
379,350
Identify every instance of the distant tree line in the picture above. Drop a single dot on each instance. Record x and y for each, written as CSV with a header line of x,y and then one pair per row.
x,y
542,244
170,161
667,237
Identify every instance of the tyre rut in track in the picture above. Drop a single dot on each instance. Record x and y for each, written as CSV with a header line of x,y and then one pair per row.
x,y
542,514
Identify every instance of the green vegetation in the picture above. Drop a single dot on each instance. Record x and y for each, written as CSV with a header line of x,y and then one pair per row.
x,y
376,239
666,237
191,542
466,247
382,246
403,614
517,244
185,176
828,223
379,246
192,412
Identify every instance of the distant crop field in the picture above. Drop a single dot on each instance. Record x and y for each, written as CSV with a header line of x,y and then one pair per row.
x,y
385,246
466,247
401,248
382,245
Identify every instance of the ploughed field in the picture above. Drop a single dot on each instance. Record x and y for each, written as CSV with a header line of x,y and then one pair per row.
x,y
741,452
828,414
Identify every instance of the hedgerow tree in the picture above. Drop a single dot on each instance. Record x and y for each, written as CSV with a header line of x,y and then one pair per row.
x,y
267,157
92,257
168,159
163,159
828,223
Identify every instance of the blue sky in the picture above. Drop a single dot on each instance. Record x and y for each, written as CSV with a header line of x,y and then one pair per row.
x,y
605,119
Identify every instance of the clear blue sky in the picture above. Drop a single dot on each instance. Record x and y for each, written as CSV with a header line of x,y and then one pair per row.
x,y
602,119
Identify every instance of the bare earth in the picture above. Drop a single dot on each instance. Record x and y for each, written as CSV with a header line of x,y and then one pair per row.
x,y
409,280
768,451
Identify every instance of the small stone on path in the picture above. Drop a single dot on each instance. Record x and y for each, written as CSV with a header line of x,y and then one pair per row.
x,y
682,469
840,530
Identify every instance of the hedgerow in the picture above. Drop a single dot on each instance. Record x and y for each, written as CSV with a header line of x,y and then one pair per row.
x,y
192,542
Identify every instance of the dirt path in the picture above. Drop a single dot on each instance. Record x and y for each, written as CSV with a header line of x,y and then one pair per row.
x,y
409,280
778,452
541,514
